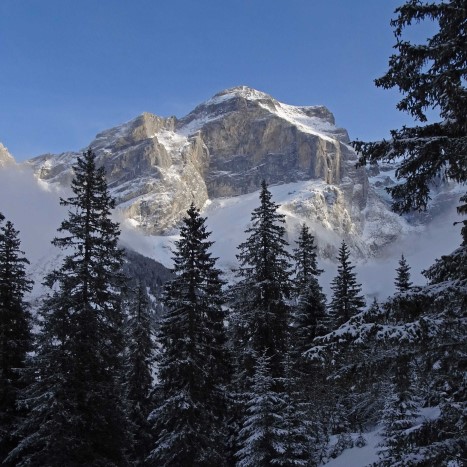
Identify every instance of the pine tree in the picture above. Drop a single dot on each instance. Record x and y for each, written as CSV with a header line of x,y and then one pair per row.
x,y
15,332
450,268
431,76
260,298
193,368
402,281
445,332
139,361
309,314
346,300
76,411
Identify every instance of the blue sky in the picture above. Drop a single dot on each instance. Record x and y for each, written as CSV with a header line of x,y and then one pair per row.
x,y
70,69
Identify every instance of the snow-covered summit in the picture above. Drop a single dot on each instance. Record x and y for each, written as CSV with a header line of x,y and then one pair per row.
x,y
244,92
316,119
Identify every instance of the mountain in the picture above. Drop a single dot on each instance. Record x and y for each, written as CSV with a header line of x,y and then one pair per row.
x,y
225,147
217,156
6,159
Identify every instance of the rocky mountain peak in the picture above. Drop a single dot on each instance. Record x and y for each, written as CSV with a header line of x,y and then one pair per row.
x,y
225,147
268,102
144,126
6,158
244,92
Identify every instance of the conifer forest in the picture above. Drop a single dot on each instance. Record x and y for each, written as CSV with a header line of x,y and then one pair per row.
x,y
265,369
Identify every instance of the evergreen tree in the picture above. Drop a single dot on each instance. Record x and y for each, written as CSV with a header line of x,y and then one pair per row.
x,y
402,281
399,417
300,435
424,330
308,321
76,411
261,438
346,299
309,313
305,256
260,298
450,268
193,367
442,441
275,428
139,361
15,332
430,75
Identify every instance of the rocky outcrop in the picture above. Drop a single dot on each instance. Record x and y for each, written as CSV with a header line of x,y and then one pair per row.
x,y
6,159
252,137
153,172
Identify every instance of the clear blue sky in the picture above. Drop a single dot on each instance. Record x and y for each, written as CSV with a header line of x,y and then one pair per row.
x,y
71,68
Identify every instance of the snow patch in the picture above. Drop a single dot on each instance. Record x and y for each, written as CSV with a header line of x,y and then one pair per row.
x,y
311,125
358,456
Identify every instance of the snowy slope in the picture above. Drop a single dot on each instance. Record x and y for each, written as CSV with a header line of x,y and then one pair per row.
x,y
368,454
228,219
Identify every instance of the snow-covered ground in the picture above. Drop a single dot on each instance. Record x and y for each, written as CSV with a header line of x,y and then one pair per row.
x,y
358,456
368,454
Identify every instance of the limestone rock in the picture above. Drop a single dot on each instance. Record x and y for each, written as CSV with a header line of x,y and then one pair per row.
x,y
251,136
154,173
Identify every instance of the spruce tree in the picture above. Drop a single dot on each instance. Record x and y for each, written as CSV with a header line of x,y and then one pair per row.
x,y
275,427
346,299
261,438
399,417
402,281
260,298
305,256
309,314
76,411
309,320
300,433
15,332
431,75
193,367
445,332
138,381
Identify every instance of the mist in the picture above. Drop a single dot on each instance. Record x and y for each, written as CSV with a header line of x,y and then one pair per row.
x,y
420,249
33,207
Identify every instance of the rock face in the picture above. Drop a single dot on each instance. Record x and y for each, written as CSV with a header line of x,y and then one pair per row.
x,y
251,136
156,167
6,159
153,172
